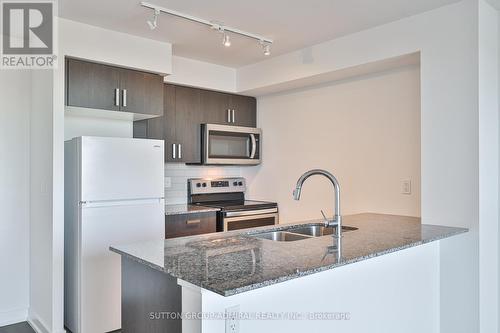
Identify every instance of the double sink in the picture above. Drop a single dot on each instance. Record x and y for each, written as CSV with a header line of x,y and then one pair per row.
x,y
299,233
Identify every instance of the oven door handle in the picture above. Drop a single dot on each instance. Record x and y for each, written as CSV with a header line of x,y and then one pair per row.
x,y
252,212
228,221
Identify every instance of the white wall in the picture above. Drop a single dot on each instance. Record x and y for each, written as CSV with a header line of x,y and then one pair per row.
x,y
42,286
488,165
75,126
15,86
365,130
201,74
106,46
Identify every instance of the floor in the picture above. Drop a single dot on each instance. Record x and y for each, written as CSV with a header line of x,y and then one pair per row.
x,y
23,328
17,328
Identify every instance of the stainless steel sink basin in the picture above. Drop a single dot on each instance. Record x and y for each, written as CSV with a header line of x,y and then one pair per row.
x,y
318,230
299,233
281,236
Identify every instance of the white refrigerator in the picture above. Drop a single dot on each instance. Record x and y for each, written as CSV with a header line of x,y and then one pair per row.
x,y
114,194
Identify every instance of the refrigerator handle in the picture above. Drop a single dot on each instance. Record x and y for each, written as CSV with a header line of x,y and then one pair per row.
x,y
125,202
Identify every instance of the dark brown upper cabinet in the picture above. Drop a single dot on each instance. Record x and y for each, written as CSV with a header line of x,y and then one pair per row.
x,y
243,109
182,121
229,109
180,125
97,86
185,109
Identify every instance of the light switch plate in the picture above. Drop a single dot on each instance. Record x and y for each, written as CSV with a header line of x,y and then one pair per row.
x,y
406,186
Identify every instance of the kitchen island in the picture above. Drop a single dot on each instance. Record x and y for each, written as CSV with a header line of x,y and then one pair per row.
x,y
385,279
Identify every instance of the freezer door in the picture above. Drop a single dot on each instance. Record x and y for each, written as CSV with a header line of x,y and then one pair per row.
x,y
121,169
102,227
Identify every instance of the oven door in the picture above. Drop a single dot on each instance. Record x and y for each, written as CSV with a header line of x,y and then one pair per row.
x,y
231,145
250,219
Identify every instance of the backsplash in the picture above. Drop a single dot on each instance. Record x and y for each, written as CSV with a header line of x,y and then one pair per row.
x,y
180,173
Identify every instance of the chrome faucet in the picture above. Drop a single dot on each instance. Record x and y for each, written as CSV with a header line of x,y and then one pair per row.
x,y
337,219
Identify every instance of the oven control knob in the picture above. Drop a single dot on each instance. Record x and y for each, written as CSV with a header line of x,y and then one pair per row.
x,y
204,185
198,184
240,183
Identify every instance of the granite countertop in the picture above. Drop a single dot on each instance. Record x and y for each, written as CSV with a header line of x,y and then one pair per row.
x,y
234,262
187,209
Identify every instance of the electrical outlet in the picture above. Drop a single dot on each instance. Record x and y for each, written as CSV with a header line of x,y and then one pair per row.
x,y
168,182
406,186
232,319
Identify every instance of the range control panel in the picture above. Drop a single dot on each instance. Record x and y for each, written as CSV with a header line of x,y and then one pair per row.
x,y
219,185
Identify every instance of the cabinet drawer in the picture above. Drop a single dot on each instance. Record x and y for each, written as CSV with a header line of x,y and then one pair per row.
x,y
190,224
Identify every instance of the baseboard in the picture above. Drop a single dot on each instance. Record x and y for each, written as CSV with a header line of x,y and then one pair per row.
x,y
36,323
13,316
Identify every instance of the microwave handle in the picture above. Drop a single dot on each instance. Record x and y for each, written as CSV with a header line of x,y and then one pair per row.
x,y
254,146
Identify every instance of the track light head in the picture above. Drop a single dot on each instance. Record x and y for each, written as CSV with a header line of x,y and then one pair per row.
x,y
225,40
267,50
266,47
153,24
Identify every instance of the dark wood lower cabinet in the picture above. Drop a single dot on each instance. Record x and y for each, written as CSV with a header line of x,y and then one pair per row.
x,y
190,224
148,296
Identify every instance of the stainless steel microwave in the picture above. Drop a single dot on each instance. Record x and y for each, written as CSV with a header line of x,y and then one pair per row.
x,y
231,145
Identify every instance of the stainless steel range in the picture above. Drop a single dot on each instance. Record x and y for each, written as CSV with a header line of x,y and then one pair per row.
x,y
228,194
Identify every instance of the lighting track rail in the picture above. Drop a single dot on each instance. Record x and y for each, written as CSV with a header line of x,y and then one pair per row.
x,y
263,41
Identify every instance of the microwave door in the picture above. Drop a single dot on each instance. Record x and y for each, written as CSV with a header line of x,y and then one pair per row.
x,y
231,145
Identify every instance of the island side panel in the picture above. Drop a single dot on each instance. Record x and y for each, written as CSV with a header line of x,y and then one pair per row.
x,y
147,296
393,293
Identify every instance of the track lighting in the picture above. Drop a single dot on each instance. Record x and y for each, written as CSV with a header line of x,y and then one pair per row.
x,y
266,47
154,22
217,26
225,40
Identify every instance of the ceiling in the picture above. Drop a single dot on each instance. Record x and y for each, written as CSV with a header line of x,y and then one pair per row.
x,y
292,24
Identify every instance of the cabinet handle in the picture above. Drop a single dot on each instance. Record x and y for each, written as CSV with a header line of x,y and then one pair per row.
x,y
180,150
233,115
228,115
193,221
124,97
117,97
174,151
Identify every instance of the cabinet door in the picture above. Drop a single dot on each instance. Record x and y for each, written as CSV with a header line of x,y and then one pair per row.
x,y
91,85
215,107
245,110
133,91
169,118
188,119
153,103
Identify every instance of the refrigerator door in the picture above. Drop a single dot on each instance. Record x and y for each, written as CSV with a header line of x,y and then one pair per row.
x,y
101,227
114,169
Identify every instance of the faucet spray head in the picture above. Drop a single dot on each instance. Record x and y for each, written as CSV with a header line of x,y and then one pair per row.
x,y
296,193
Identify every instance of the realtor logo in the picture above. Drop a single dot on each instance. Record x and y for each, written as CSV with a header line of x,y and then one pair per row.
x,y
27,34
